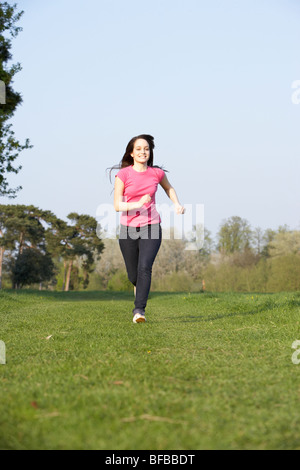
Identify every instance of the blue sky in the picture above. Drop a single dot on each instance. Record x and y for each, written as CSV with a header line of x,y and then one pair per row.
x,y
211,81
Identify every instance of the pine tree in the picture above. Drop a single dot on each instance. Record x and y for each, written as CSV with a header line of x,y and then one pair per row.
x,y
10,147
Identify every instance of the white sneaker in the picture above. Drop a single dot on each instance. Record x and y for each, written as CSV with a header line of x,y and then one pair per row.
x,y
138,318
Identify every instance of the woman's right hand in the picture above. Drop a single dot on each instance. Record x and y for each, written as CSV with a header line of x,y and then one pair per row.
x,y
145,199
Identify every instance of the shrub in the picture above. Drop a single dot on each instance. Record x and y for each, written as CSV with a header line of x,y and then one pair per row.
x,y
119,282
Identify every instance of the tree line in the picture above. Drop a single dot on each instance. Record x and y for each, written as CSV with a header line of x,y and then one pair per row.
x,y
40,250
239,259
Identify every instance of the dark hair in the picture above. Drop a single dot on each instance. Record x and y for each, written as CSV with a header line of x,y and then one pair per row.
x,y
127,158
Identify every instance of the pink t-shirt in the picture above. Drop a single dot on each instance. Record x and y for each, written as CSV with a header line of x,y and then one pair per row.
x,y
137,184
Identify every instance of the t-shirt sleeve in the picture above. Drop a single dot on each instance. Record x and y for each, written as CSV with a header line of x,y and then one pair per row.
x,y
122,175
160,174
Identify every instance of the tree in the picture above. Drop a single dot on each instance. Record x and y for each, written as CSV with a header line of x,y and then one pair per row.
x,y
31,267
171,255
22,228
285,243
111,261
9,146
77,241
6,238
235,235
59,239
87,246
25,226
258,240
267,239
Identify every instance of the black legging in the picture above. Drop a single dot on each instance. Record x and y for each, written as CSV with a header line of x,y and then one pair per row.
x,y
139,247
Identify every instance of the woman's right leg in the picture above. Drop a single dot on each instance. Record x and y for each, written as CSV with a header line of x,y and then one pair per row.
x,y
130,251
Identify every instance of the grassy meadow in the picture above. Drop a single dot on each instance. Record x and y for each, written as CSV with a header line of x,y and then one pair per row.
x,y
207,371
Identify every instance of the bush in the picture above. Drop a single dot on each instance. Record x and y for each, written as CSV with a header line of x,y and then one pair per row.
x,y
284,273
120,282
174,282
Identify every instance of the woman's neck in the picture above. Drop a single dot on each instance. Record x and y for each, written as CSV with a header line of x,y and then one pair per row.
x,y
140,167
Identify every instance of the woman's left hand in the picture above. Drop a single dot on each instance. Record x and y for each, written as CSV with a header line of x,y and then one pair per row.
x,y
179,209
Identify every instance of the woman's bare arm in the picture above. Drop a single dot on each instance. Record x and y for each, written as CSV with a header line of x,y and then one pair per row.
x,y
171,193
120,205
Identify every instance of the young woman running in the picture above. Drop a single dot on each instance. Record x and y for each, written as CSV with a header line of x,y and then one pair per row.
x,y
140,234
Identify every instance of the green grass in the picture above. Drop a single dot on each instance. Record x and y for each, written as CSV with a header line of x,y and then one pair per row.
x,y
207,371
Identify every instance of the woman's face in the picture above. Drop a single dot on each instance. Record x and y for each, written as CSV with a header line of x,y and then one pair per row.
x,y
141,151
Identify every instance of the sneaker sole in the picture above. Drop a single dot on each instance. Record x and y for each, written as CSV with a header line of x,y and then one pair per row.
x,y
140,319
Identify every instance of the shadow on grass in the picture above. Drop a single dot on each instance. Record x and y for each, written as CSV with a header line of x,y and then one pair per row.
x,y
84,296
265,307
72,296
270,300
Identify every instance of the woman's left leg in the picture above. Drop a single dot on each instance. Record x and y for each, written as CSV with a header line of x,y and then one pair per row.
x,y
149,244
